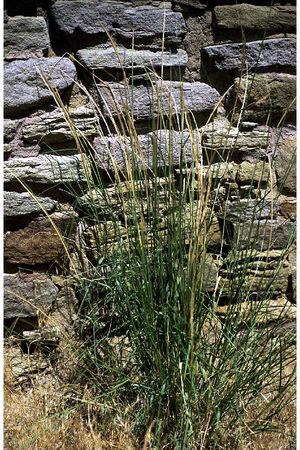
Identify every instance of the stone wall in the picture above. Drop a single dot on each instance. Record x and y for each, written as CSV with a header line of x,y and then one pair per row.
x,y
62,45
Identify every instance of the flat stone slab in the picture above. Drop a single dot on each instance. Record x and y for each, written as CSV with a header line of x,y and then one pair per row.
x,y
46,169
254,17
262,235
221,136
116,152
265,54
27,294
145,102
53,127
269,96
25,37
20,204
248,209
86,19
24,86
123,58
40,242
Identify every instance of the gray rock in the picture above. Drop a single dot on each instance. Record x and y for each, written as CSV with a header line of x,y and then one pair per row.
x,y
53,127
145,102
196,4
220,136
210,274
253,17
257,54
10,129
115,152
23,204
86,20
257,173
27,294
263,235
269,97
123,58
247,209
25,37
47,169
285,161
24,86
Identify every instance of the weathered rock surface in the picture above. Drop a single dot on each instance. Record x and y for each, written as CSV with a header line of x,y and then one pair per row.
x,y
246,174
287,207
82,21
23,204
285,161
10,129
253,270
267,54
263,235
220,136
144,102
269,97
53,127
253,17
122,58
39,242
266,311
260,173
24,86
25,37
25,294
247,209
196,4
47,169
167,147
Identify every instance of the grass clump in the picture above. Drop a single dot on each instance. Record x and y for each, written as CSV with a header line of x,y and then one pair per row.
x,y
155,344
156,259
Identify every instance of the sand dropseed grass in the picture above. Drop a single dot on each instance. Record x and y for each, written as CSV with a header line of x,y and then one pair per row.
x,y
176,330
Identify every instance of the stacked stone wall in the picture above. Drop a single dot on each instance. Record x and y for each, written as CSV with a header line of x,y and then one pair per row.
x,y
205,47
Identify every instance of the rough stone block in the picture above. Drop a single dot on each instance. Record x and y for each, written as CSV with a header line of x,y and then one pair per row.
x,y
40,242
253,17
195,4
254,270
285,160
27,294
25,37
267,54
18,204
263,235
220,136
47,169
24,86
287,207
167,147
259,173
53,127
165,98
247,209
10,129
269,96
123,58
85,22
